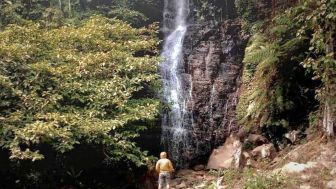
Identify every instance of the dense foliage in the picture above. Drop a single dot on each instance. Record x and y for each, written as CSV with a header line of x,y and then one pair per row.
x,y
319,18
214,11
76,77
75,85
289,60
56,12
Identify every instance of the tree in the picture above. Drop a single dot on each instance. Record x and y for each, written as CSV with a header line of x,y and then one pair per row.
x,y
71,85
135,12
319,17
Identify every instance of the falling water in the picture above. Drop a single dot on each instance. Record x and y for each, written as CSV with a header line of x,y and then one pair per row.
x,y
176,119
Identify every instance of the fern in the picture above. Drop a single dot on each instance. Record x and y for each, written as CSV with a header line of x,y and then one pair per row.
x,y
263,57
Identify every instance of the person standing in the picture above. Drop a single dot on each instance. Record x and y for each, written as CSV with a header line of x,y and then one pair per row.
x,y
164,167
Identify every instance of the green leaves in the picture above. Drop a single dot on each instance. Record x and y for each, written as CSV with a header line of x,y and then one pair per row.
x,y
320,21
274,82
263,97
73,85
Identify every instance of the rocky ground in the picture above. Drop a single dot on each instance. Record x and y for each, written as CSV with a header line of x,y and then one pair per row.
x,y
308,165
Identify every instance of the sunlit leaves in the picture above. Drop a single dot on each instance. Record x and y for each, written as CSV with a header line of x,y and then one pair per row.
x,y
75,84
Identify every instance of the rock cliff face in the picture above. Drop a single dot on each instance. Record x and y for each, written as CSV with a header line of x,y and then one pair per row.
x,y
213,63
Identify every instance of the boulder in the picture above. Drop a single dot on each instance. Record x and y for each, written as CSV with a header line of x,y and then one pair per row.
x,y
246,155
248,161
333,172
264,151
331,184
227,156
256,140
293,136
294,167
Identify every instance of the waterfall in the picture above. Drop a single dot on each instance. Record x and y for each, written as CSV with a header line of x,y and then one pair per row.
x,y
177,117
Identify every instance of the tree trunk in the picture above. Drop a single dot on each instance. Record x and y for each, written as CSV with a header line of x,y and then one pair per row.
x,y
328,120
69,8
273,7
329,106
60,4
